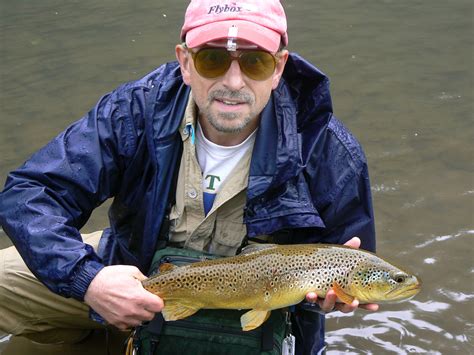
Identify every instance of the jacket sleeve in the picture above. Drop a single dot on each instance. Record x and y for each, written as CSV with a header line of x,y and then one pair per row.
x,y
350,213
338,178
342,196
47,200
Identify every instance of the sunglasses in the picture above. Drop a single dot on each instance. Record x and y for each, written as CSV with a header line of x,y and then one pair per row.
x,y
211,63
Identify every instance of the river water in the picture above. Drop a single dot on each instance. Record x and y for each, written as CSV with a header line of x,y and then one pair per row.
x,y
402,81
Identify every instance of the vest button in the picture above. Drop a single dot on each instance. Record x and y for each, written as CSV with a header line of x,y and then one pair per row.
x,y
192,193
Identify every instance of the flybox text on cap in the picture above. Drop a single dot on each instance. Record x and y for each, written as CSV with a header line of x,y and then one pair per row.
x,y
218,9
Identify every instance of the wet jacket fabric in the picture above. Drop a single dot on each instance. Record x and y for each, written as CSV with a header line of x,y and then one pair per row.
x,y
308,180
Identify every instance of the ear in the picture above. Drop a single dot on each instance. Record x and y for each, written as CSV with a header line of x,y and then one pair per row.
x,y
184,59
280,67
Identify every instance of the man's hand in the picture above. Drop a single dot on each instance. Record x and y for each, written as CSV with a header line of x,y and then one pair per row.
x,y
329,303
116,293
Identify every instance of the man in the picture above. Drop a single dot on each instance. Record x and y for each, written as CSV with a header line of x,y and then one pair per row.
x,y
258,154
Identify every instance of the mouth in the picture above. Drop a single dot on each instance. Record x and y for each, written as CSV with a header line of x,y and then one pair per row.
x,y
229,106
230,102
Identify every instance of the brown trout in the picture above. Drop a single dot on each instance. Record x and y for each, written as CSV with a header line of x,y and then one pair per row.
x,y
267,277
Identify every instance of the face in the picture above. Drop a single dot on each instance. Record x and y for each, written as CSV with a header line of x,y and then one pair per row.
x,y
229,105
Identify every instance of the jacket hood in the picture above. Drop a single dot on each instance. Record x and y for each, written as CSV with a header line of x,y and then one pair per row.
x,y
309,88
299,111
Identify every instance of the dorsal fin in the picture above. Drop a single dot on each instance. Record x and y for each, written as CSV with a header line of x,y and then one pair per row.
x,y
252,248
166,267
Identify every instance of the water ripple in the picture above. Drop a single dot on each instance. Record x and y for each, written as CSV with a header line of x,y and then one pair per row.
x,y
431,306
458,296
394,332
442,238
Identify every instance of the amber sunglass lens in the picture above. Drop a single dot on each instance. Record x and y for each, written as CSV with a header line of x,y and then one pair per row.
x,y
212,63
257,65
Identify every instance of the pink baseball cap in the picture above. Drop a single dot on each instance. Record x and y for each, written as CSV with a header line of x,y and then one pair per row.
x,y
261,22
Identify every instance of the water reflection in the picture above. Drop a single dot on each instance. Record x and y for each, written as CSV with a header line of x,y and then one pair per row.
x,y
430,306
399,332
443,238
458,296
438,321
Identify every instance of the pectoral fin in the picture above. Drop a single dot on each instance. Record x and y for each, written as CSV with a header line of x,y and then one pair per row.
x,y
175,311
253,319
343,296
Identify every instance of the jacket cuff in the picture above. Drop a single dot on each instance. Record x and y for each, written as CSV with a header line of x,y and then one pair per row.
x,y
88,270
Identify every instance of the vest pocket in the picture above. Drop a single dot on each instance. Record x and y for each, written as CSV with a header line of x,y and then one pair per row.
x,y
228,237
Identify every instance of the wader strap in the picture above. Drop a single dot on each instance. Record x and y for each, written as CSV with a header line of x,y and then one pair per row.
x,y
154,327
156,324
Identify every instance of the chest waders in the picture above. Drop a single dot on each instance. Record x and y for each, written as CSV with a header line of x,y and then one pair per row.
x,y
209,331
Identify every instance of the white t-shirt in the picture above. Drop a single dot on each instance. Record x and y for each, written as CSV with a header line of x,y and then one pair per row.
x,y
217,162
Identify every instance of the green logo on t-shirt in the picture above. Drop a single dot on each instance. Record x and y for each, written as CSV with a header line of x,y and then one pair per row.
x,y
212,181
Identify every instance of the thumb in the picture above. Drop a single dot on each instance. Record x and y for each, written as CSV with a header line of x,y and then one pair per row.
x,y
353,243
155,303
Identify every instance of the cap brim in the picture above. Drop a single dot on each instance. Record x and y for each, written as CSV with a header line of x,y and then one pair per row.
x,y
248,31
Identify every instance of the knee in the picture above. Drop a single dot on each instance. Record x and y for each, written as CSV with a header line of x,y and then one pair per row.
x,y
11,264
3,278
6,294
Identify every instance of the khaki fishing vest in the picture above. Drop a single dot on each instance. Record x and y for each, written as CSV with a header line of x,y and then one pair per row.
x,y
222,231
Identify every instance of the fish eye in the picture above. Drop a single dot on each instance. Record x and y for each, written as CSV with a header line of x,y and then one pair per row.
x,y
399,278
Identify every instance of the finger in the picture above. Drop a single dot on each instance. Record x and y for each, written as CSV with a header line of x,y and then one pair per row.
x,y
353,243
329,301
312,297
149,316
372,307
348,308
144,316
124,326
135,320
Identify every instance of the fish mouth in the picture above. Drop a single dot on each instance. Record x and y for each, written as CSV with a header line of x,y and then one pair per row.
x,y
414,289
406,292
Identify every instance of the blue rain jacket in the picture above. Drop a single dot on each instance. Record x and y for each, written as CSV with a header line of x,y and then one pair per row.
x,y
308,178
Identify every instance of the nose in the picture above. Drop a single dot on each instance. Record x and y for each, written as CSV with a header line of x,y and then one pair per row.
x,y
233,78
